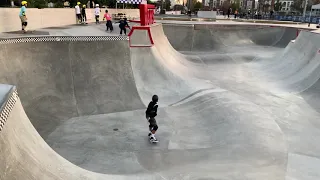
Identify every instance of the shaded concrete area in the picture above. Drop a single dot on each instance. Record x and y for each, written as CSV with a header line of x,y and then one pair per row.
x,y
60,80
221,38
242,106
29,32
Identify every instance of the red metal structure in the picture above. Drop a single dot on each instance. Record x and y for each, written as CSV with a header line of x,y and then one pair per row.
x,y
146,14
146,19
146,28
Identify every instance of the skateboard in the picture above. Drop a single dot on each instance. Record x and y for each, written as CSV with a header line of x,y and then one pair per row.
x,y
153,141
27,32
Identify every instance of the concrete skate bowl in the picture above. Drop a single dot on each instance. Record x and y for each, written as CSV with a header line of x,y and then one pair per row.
x,y
283,83
223,43
214,123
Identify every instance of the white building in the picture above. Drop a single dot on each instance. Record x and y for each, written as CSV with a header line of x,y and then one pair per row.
x,y
286,5
242,3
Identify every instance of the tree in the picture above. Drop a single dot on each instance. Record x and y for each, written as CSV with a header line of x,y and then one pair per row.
x,y
266,7
298,5
37,3
197,6
226,5
253,5
235,6
168,5
313,2
278,6
272,4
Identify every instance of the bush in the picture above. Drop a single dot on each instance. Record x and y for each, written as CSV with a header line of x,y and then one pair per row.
x,y
37,4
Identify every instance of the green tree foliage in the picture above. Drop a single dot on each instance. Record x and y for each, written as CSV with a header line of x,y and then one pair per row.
x,y
297,5
226,5
266,7
197,6
278,6
235,6
57,3
167,5
73,3
37,3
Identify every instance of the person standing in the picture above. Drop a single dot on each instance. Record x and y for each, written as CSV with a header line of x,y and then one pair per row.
x,y
236,13
23,16
123,24
97,13
78,12
109,22
84,15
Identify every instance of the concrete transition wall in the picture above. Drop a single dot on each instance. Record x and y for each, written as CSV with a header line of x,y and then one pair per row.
x,y
207,14
50,17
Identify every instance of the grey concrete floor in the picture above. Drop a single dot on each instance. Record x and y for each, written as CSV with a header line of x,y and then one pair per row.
x,y
234,103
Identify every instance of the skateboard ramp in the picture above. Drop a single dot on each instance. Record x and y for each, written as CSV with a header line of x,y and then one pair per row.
x,y
206,38
220,116
65,77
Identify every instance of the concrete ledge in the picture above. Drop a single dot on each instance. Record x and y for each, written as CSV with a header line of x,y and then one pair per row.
x,y
184,19
51,17
266,21
207,14
8,96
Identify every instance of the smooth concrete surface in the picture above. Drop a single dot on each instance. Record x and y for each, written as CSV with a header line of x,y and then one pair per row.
x,y
221,113
25,155
4,89
52,17
91,29
208,38
60,80
207,14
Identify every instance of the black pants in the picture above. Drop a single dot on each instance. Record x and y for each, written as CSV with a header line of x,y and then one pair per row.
x,y
123,29
84,17
79,17
97,19
109,25
153,123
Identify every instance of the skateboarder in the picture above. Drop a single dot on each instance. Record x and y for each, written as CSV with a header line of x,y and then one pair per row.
x,y
23,16
78,12
109,22
97,13
84,14
123,24
151,113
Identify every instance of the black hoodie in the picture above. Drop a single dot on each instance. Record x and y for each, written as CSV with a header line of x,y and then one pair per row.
x,y
152,109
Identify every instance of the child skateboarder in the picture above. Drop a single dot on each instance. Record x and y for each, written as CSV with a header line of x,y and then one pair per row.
x,y
123,24
78,12
97,13
84,15
151,113
109,22
23,16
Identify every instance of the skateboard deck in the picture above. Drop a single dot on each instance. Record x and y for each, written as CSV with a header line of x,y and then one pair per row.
x,y
152,141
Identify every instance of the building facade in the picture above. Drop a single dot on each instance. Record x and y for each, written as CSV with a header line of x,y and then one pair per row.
x,y
286,5
263,5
